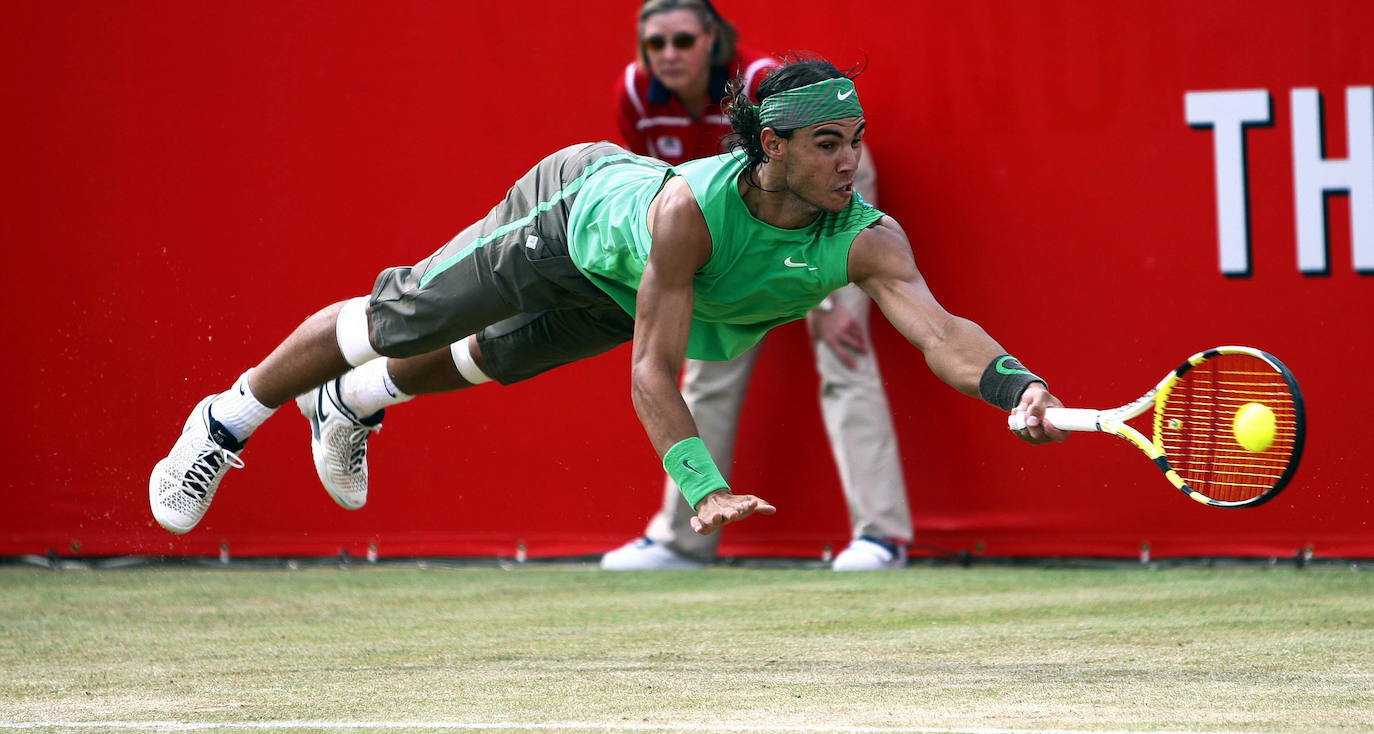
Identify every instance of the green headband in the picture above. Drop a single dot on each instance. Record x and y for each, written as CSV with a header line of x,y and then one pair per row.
x,y
831,99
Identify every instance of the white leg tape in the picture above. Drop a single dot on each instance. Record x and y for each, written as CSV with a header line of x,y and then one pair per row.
x,y
351,332
467,367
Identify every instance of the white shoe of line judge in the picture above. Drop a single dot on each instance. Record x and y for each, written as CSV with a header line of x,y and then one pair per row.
x,y
643,554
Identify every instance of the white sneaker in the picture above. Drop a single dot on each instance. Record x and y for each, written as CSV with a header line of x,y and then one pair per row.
x,y
338,441
642,554
870,554
183,484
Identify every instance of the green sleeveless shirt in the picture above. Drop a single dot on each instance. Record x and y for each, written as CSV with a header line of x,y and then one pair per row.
x,y
758,277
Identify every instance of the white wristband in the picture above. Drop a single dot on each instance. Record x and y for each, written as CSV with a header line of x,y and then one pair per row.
x,y
351,331
467,366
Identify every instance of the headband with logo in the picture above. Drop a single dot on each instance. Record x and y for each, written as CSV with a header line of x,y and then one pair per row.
x,y
830,99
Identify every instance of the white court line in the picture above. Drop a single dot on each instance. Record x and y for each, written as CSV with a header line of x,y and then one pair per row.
x,y
554,725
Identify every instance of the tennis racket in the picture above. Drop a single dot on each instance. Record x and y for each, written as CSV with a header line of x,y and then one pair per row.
x,y
1194,437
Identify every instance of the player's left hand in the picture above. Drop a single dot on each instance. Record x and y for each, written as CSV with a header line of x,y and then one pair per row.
x,y
1034,401
720,508
838,329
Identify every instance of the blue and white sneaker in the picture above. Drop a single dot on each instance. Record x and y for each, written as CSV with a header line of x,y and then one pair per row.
x,y
183,484
338,441
866,553
643,554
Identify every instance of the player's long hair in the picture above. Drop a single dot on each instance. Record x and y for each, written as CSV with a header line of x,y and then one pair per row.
x,y
744,115
726,35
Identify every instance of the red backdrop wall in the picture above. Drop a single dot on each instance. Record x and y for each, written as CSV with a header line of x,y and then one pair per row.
x,y
185,181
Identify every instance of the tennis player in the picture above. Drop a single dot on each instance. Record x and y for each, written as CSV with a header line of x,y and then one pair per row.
x,y
593,247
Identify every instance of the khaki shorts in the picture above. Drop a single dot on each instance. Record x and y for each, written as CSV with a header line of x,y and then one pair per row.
x,y
508,279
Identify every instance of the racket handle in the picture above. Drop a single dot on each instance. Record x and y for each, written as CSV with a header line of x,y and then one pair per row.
x,y
1065,419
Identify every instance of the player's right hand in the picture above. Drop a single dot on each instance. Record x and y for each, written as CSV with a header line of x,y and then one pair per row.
x,y
720,508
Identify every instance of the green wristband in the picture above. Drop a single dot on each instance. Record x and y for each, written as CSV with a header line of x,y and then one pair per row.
x,y
689,464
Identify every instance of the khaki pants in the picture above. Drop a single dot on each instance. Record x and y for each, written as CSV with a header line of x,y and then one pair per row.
x,y
857,420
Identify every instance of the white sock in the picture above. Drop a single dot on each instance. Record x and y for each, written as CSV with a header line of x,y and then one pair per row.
x,y
239,410
369,388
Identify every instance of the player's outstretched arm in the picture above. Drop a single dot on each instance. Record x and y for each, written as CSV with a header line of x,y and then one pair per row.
x,y
663,321
957,350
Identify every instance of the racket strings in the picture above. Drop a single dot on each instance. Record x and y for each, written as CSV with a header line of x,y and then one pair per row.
x,y
1195,427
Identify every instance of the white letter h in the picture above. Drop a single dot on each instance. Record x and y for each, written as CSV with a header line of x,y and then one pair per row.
x,y
1314,176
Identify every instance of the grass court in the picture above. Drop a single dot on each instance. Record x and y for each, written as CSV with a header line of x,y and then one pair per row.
x,y
566,647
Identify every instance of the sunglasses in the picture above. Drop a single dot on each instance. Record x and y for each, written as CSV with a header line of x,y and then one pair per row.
x,y
681,41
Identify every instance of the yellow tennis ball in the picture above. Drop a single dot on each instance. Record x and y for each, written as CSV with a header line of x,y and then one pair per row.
x,y
1254,427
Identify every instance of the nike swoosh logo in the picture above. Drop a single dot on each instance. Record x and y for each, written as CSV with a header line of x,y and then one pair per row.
x,y
843,97
1004,371
788,262
687,463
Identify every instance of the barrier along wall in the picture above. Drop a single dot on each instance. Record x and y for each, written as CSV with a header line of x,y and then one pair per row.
x,y
1105,188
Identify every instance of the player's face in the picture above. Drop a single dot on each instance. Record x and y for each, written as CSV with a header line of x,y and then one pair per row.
x,y
678,49
821,161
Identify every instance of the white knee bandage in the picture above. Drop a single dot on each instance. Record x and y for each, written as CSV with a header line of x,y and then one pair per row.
x,y
351,331
467,367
